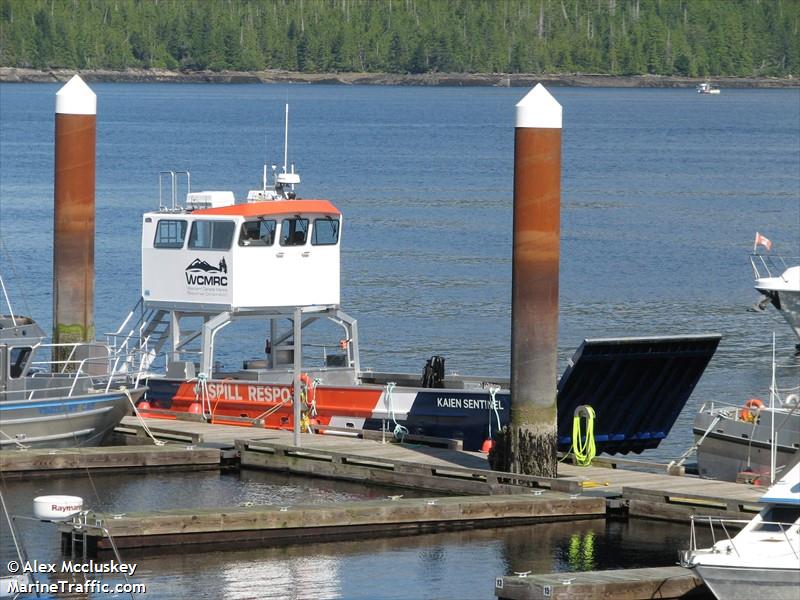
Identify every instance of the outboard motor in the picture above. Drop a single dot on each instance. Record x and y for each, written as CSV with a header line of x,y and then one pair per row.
x,y
433,373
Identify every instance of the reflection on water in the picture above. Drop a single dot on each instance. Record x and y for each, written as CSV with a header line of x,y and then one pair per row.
x,y
581,552
453,565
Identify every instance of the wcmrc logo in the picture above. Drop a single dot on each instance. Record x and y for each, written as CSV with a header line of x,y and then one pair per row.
x,y
199,272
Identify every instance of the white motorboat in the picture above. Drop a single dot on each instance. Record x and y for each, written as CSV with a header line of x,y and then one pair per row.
x,y
707,88
778,279
763,559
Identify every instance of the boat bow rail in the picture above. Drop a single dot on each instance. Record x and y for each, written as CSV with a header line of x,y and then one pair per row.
x,y
772,265
725,543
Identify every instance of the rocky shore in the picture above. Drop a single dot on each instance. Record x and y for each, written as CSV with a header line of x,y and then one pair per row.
x,y
14,75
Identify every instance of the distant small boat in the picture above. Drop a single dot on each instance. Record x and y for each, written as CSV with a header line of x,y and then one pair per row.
x,y
707,88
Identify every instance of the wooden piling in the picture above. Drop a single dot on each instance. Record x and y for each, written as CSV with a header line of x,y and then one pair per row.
x,y
74,214
528,444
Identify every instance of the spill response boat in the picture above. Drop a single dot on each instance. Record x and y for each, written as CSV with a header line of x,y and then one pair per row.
x,y
274,262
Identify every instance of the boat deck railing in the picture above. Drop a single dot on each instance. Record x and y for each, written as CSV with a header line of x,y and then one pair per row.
x,y
771,265
722,525
787,401
68,375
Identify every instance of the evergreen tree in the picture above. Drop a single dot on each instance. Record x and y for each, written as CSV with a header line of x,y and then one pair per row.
x,y
686,37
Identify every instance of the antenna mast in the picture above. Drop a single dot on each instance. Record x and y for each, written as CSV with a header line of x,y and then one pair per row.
x,y
286,141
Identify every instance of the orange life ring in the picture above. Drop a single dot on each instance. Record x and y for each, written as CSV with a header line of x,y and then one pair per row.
x,y
746,415
311,391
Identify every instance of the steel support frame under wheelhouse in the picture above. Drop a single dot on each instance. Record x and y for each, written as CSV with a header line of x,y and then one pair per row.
x,y
216,320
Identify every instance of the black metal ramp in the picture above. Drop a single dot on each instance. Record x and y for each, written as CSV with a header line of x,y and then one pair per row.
x,y
637,387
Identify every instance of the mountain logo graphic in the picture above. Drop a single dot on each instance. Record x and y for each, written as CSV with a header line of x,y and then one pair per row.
x,y
200,272
201,265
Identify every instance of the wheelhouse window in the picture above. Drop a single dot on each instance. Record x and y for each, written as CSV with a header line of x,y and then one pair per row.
x,y
170,234
258,233
326,232
17,360
294,232
211,235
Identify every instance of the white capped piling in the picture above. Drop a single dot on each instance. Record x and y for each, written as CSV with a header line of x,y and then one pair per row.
x,y
74,213
528,444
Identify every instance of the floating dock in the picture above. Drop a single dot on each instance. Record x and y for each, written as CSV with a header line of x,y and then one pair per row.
x,y
434,470
31,462
314,523
448,470
625,584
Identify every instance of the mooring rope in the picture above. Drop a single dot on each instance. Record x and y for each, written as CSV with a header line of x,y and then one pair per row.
x,y
136,412
201,390
493,405
400,432
15,440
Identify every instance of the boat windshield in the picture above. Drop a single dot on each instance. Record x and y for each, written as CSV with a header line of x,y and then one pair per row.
x,y
211,235
294,231
776,516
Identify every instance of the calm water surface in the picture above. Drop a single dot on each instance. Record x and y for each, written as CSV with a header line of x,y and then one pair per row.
x,y
455,565
662,192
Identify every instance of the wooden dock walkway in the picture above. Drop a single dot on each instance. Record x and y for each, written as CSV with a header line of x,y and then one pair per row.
x,y
314,523
33,461
625,584
448,470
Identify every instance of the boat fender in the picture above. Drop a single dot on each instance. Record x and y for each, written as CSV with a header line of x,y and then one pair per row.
x,y
305,424
750,416
791,401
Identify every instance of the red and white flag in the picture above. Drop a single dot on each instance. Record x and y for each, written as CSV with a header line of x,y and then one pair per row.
x,y
761,240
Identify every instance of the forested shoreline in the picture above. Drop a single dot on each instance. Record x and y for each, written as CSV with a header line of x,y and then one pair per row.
x,y
671,38
15,75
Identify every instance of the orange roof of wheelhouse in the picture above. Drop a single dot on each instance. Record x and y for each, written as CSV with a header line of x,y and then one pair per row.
x,y
272,207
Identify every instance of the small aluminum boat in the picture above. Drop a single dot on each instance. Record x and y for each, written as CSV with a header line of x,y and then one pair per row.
x,y
59,395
